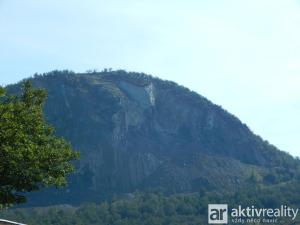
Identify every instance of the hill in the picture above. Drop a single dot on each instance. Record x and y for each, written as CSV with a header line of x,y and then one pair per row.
x,y
137,132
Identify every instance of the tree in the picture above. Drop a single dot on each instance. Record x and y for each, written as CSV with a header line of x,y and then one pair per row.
x,y
31,156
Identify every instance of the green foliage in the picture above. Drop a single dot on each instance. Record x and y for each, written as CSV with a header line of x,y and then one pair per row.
x,y
139,209
31,156
155,208
2,92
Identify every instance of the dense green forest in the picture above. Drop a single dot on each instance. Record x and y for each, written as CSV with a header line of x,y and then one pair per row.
x,y
155,208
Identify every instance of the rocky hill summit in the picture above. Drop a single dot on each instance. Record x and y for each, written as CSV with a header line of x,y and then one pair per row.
x,y
137,132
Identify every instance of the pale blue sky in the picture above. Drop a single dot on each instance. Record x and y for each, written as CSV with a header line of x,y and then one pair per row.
x,y
243,55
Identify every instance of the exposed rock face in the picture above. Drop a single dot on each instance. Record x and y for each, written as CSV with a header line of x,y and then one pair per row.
x,y
138,132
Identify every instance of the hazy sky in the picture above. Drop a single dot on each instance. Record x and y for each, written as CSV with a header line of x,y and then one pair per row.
x,y
243,55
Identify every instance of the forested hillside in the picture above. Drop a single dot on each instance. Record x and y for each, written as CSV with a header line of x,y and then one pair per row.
x,y
137,132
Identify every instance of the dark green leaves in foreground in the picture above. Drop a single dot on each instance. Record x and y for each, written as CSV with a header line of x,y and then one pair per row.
x,y
31,157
